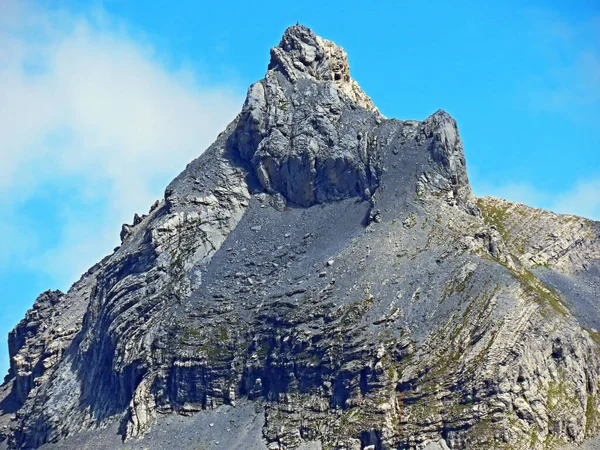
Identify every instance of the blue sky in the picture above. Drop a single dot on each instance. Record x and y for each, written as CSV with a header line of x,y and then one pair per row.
x,y
102,103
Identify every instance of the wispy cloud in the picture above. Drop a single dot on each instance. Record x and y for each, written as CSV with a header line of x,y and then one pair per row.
x,y
570,84
581,199
563,81
84,104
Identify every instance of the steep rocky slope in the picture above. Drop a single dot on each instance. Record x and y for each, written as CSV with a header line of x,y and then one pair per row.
x,y
321,277
562,250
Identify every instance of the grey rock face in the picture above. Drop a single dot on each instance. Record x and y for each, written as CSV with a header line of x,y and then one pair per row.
x,y
300,129
325,277
302,54
567,243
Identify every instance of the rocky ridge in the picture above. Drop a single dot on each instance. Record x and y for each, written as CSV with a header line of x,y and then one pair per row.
x,y
566,242
333,268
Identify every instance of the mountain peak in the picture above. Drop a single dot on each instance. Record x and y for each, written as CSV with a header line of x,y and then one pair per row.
x,y
319,277
303,54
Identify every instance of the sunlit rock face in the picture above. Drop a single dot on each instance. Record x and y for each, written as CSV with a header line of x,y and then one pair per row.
x,y
320,277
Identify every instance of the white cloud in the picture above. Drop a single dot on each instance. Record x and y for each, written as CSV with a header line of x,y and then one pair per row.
x,y
581,199
570,84
83,101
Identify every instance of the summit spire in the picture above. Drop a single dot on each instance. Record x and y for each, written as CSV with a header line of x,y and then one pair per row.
x,y
303,54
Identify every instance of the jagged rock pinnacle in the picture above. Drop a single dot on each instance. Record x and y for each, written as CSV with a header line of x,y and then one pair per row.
x,y
313,136
301,53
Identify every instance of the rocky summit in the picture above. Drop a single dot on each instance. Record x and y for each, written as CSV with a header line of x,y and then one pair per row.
x,y
321,277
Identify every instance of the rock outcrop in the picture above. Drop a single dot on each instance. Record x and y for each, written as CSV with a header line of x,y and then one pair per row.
x,y
326,273
542,238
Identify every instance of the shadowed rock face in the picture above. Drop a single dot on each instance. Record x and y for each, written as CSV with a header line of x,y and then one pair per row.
x,y
326,273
